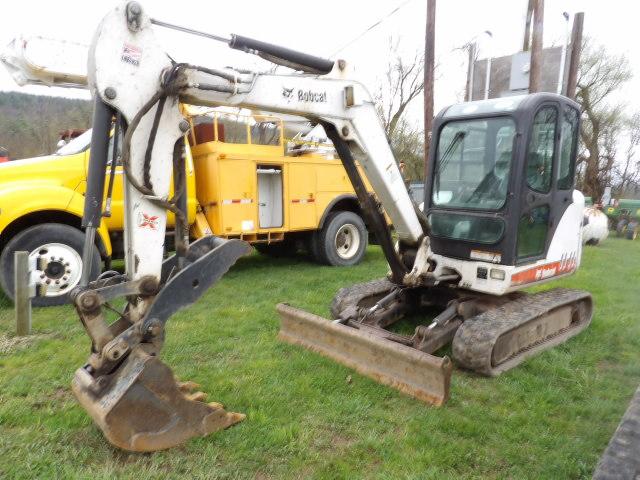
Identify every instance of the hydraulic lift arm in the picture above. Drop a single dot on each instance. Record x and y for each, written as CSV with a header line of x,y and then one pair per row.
x,y
130,394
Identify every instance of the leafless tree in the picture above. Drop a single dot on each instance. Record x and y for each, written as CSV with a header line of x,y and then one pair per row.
x,y
404,81
627,172
601,73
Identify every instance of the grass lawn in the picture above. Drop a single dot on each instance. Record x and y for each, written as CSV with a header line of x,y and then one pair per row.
x,y
549,418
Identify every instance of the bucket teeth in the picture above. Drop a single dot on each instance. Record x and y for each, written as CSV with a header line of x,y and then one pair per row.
x,y
197,396
187,386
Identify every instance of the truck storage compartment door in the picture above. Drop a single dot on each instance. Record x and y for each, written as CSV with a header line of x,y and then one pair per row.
x,y
269,196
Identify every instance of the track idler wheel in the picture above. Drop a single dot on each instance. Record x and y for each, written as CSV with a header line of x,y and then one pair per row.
x,y
140,407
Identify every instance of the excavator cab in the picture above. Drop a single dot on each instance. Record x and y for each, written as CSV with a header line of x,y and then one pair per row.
x,y
501,176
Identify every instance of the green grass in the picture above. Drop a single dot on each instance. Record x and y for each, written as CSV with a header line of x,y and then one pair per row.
x,y
549,418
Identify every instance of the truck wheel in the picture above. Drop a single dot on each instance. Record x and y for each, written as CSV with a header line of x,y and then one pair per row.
x,y
621,227
62,246
632,231
343,239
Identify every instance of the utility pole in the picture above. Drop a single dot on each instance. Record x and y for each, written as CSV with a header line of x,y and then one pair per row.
x,y
487,73
429,65
535,71
527,27
574,60
470,72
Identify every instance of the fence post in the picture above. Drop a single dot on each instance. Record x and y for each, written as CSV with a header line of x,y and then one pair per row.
x,y
22,298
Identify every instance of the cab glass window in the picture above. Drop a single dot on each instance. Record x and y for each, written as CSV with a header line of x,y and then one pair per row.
x,y
532,232
568,143
471,228
540,151
473,163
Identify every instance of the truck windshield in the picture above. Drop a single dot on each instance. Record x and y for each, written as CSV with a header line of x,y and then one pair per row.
x,y
473,163
77,145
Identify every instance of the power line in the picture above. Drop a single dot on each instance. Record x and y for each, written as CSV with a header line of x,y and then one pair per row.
x,y
391,13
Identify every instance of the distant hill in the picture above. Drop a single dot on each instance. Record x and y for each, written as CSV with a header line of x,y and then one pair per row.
x,y
30,124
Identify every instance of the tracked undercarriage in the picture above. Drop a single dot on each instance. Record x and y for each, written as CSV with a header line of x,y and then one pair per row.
x,y
488,334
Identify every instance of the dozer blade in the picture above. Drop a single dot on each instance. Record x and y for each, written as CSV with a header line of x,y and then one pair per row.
x,y
142,408
421,375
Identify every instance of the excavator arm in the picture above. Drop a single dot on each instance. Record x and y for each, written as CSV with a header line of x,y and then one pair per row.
x,y
127,390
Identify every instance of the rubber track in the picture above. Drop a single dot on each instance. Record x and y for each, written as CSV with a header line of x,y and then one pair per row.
x,y
352,295
621,459
475,339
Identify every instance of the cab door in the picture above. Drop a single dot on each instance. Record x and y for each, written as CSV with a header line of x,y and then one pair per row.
x,y
548,178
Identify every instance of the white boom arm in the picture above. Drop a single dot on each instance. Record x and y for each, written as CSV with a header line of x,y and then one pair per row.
x,y
127,68
45,61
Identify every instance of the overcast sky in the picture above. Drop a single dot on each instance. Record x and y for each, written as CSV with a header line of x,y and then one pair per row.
x,y
323,28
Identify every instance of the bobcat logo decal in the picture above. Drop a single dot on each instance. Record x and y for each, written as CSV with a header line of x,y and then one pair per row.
x,y
287,93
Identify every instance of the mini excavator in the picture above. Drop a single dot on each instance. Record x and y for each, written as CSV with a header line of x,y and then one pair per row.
x,y
500,215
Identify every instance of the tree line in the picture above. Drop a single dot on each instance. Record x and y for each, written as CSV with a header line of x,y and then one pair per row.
x,y
30,125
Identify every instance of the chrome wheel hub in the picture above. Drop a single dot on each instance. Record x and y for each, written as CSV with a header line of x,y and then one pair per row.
x,y
58,268
347,241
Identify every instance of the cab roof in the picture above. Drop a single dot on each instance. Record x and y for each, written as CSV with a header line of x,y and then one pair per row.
x,y
503,105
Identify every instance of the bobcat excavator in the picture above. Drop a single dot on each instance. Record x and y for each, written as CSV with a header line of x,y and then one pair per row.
x,y
500,214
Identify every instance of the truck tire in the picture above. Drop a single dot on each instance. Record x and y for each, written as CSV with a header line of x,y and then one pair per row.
x,y
62,242
343,239
621,227
632,230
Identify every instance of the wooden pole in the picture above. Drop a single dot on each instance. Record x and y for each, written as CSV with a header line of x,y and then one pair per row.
x,y
429,65
22,298
468,96
574,61
527,27
535,72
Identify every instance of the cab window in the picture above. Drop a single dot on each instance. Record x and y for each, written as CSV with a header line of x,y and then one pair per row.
x,y
532,232
541,149
568,145
473,164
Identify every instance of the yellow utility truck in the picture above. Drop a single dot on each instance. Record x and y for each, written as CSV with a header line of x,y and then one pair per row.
x,y
243,181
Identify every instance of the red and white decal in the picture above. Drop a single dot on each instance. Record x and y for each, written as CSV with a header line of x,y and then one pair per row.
x,y
148,221
303,200
232,201
131,54
568,263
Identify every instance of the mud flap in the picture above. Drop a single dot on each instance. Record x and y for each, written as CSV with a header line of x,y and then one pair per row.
x,y
142,408
415,373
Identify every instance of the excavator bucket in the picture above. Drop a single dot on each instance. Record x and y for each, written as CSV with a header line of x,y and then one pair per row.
x,y
142,408
421,375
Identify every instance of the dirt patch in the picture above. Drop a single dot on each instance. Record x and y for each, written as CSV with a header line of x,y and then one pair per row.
x,y
9,345
341,441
